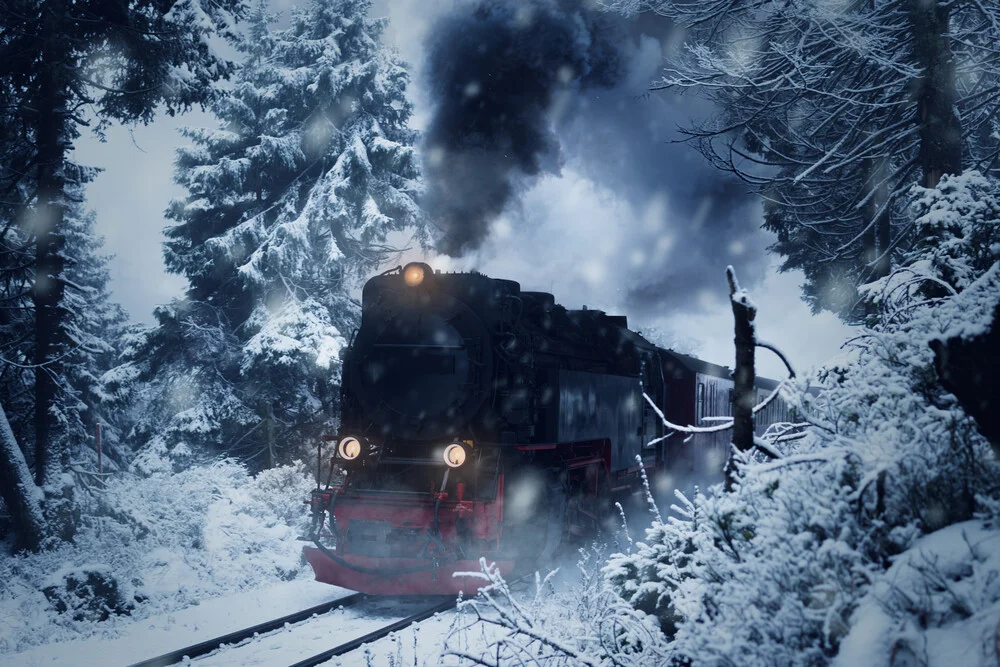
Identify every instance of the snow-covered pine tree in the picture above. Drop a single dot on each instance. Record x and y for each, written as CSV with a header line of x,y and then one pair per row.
x,y
93,323
95,326
119,62
16,322
290,201
16,262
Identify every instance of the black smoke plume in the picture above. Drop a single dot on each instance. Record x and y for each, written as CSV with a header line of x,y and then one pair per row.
x,y
496,69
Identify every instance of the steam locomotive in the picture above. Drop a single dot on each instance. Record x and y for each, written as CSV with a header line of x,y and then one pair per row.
x,y
482,420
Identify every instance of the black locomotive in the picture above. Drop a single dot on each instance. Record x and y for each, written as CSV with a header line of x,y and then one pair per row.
x,y
482,420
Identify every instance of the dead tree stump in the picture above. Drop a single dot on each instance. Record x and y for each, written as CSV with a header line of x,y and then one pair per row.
x,y
744,374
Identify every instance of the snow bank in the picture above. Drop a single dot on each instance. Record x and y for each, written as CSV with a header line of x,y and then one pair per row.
x,y
939,604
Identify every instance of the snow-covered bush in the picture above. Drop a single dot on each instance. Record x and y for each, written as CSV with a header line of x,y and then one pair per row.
x,y
957,226
158,543
580,622
794,560
87,593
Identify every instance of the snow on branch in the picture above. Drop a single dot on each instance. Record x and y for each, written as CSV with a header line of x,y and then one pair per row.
x,y
560,625
692,430
683,429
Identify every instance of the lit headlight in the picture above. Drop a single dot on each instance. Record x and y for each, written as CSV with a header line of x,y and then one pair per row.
x,y
413,274
349,448
454,455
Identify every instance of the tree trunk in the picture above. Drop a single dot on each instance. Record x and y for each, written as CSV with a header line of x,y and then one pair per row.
x,y
877,239
269,434
869,245
22,498
744,373
50,117
940,128
970,369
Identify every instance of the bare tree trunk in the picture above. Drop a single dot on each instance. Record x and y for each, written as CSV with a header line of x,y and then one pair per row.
x,y
269,434
22,498
940,127
51,141
869,245
743,375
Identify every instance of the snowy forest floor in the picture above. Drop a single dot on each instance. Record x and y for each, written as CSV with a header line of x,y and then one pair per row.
x,y
157,634
166,542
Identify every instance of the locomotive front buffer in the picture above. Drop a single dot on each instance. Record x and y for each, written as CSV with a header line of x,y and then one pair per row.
x,y
382,538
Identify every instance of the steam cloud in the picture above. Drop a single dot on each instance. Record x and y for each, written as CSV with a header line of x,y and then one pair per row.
x,y
521,89
497,70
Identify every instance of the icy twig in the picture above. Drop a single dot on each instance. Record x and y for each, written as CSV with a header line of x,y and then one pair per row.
x,y
649,494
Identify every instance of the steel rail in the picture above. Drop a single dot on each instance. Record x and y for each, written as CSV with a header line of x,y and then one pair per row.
x,y
353,644
209,645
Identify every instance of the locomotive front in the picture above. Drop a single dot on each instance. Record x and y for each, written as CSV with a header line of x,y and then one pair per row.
x,y
419,495
478,420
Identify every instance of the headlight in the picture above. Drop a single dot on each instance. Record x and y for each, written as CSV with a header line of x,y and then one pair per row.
x,y
454,455
413,274
349,448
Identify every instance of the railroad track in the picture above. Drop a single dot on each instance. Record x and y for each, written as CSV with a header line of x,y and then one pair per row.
x,y
443,605
349,646
209,645
204,648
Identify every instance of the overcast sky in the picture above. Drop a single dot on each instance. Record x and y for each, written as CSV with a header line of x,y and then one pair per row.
x,y
623,220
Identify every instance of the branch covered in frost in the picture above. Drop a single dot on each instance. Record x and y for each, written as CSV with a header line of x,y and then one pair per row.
x,y
584,625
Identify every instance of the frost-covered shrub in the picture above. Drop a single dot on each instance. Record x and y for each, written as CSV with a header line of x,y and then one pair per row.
x,y
937,606
957,226
764,573
89,593
957,231
564,624
776,572
254,529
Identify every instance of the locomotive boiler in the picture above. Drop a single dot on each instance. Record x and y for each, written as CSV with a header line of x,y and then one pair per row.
x,y
482,420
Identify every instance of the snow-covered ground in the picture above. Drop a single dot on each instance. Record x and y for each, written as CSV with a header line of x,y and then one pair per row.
x,y
420,644
159,634
937,604
172,543
295,643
